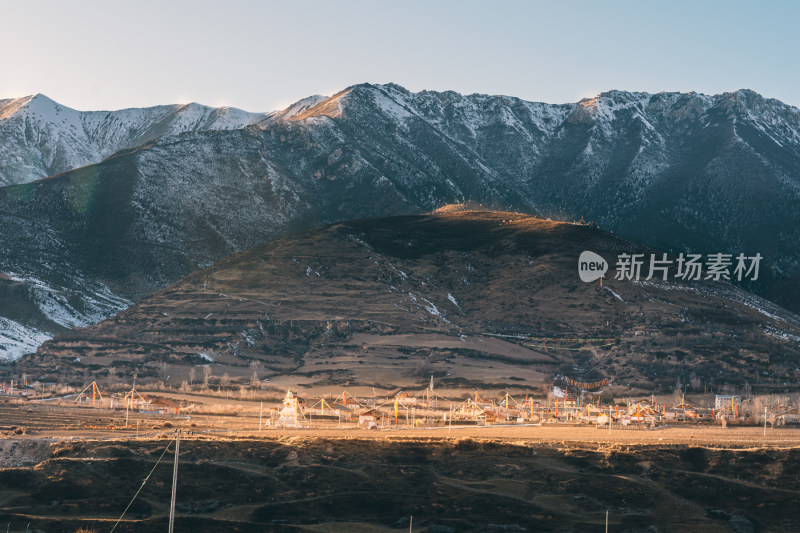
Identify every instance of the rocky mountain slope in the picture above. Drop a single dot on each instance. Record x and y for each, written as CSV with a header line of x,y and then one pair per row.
x,y
478,298
677,171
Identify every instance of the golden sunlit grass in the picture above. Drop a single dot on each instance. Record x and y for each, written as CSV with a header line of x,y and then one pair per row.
x,y
471,210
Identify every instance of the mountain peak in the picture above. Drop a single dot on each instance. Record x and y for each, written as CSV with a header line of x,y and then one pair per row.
x,y
40,137
744,97
39,97
329,107
46,109
753,106
617,94
40,101
298,107
35,102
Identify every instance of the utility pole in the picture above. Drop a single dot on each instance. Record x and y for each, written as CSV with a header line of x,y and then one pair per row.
x,y
174,481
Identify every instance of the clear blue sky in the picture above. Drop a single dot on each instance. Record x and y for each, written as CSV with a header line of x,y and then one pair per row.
x,y
262,56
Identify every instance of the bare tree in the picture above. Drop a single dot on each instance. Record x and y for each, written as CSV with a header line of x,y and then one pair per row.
x,y
254,367
191,375
676,393
206,375
758,408
694,381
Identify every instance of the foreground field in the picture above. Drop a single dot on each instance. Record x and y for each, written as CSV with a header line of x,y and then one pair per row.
x,y
61,475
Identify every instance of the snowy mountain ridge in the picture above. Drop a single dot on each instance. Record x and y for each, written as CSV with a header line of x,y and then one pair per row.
x,y
677,171
40,137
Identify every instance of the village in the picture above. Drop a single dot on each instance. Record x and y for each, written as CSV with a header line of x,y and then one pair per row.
x,y
425,408
316,442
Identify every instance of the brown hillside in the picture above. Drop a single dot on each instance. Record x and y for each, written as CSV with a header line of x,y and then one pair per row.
x,y
474,297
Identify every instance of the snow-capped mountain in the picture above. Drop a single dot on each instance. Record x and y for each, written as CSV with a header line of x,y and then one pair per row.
x,y
673,170
39,137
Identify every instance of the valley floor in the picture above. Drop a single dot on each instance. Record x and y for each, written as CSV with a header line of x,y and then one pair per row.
x,y
58,475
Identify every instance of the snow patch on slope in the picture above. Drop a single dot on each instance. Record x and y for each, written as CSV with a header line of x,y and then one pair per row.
x,y
80,304
17,340
97,302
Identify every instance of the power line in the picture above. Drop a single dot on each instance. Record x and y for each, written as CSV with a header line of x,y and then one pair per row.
x,y
141,487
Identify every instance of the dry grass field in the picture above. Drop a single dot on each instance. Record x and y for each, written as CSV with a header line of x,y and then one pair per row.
x,y
63,468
